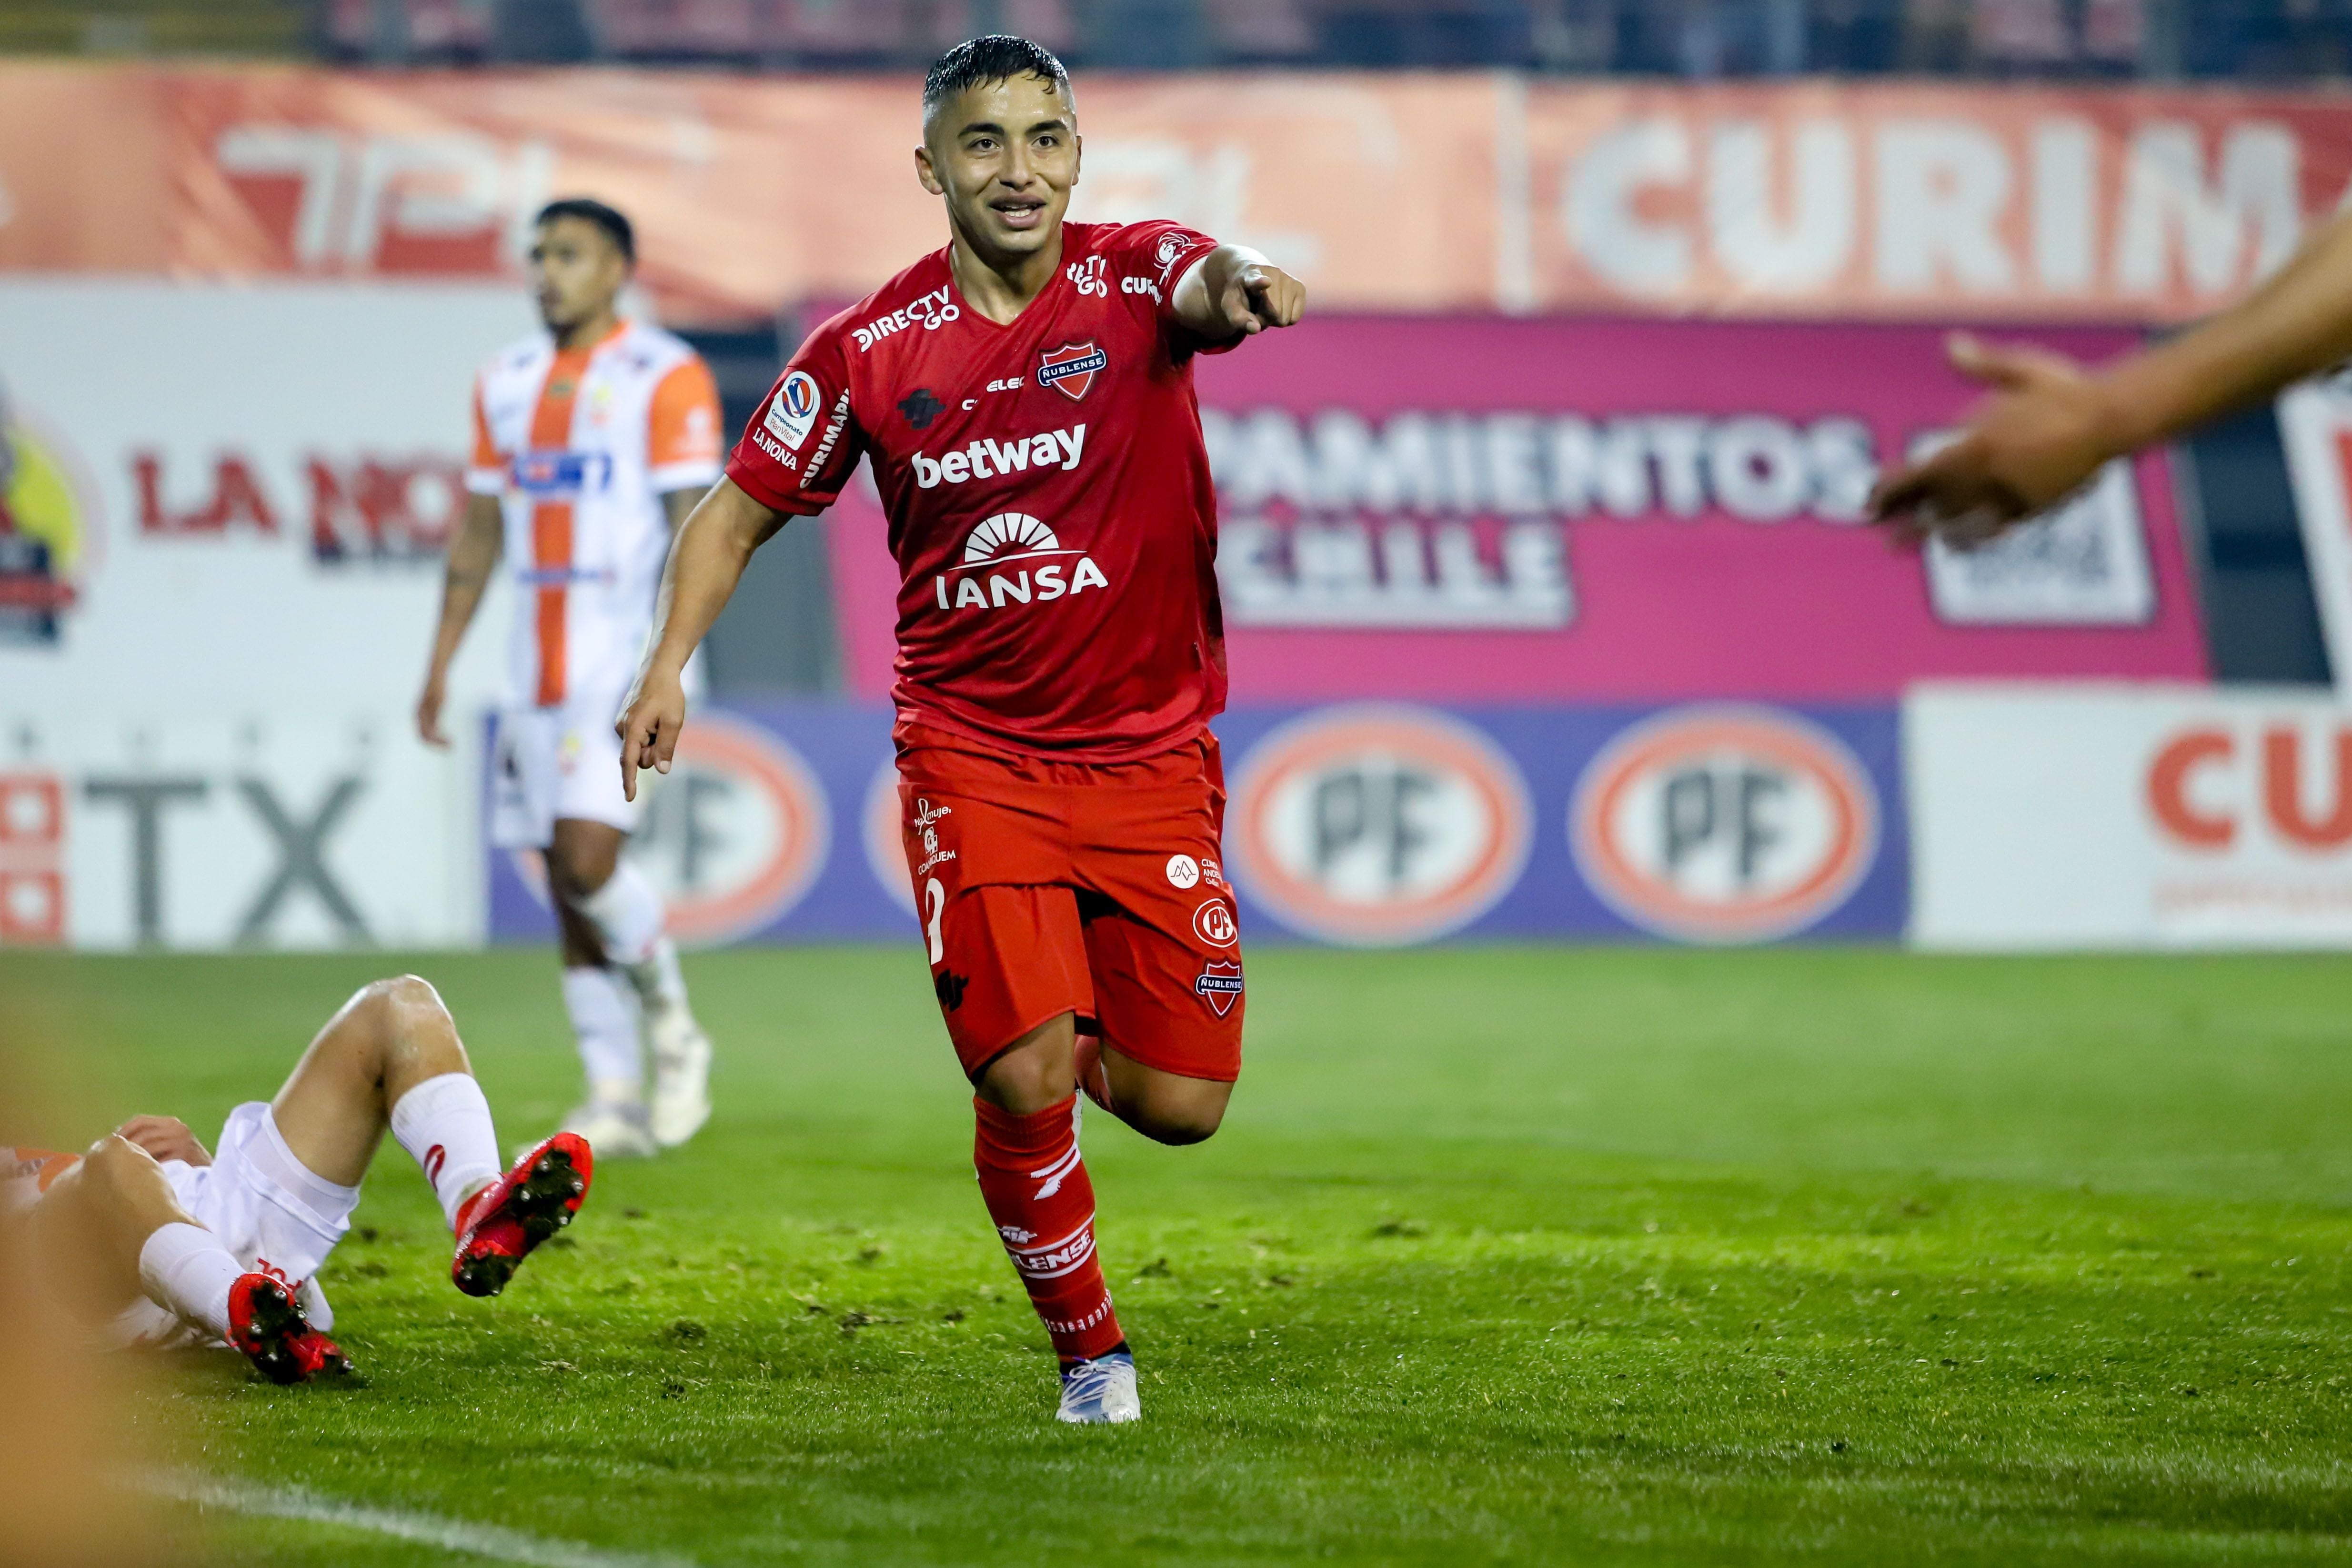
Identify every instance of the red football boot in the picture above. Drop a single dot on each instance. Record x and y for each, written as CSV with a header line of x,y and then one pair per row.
x,y
499,1224
266,1322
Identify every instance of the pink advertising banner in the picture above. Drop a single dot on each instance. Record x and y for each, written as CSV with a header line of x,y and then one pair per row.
x,y
1483,509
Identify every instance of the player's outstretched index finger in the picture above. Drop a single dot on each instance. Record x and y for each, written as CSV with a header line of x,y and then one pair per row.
x,y
1939,479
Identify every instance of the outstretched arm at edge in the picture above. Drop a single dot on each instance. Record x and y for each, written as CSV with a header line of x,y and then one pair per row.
x,y
705,563
2048,423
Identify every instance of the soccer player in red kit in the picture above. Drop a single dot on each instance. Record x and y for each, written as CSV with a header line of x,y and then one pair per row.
x,y
1025,398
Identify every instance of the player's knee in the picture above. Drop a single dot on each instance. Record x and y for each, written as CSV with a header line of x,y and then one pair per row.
x,y
577,868
394,1012
114,1166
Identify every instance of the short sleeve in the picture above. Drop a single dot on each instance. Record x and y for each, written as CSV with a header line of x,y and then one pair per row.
x,y
803,445
682,449
1163,252
486,468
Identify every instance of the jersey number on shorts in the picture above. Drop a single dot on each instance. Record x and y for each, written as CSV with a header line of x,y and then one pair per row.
x,y
937,896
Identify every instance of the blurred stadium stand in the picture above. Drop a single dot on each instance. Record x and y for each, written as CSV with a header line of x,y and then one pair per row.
x,y
2263,39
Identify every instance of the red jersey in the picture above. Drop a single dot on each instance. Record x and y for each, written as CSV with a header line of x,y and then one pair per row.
x,y
1046,487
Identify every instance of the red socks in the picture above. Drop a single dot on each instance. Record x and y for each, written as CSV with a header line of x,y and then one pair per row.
x,y
1036,1190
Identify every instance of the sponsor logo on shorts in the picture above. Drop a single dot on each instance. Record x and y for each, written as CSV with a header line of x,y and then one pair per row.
x,y
1214,923
1070,369
792,413
925,825
1183,871
1725,824
949,988
1377,824
1219,985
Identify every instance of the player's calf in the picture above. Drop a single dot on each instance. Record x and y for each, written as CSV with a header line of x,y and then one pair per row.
x,y
1165,1107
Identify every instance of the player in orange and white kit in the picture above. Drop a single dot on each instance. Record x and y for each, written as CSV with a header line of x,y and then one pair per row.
x,y
591,440
149,1239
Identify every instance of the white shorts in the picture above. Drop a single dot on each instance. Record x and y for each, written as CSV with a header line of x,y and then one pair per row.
x,y
274,1213
552,763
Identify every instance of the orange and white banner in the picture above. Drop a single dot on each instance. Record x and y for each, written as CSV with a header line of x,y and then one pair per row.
x,y
1416,193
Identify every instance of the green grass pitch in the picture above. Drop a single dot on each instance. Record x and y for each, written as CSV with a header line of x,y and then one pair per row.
x,y
1504,1254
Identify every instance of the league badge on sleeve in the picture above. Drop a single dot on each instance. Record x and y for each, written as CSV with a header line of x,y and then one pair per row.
x,y
1070,369
792,413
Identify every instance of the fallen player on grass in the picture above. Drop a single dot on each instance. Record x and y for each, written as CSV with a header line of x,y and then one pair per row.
x,y
150,1239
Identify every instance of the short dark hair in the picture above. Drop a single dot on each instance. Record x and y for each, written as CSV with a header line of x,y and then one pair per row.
x,y
587,209
1000,57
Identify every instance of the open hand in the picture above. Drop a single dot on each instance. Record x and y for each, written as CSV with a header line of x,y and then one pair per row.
x,y
164,1137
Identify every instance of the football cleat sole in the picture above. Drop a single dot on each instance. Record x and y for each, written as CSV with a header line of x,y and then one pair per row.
x,y
281,1343
541,1204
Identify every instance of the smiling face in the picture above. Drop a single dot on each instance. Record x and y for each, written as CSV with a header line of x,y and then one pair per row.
x,y
576,272
1004,155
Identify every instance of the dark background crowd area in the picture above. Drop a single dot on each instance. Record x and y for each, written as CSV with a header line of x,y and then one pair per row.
x,y
2274,40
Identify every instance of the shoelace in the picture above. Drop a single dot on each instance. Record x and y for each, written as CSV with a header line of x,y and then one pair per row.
x,y
1088,1380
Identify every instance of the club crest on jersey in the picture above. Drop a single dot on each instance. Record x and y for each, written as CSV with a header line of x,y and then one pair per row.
x,y
1071,369
792,413
1219,985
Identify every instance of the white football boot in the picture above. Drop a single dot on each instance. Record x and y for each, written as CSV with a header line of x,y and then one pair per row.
x,y
681,1074
616,1128
1101,1390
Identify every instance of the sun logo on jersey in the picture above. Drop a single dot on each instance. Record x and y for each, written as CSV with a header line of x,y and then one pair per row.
x,y
988,578
1008,534
1070,369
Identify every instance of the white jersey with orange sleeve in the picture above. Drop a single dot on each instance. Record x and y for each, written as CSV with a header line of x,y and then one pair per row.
x,y
579,445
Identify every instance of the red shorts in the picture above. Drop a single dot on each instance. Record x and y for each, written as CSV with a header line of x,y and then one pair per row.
x,y
1090,888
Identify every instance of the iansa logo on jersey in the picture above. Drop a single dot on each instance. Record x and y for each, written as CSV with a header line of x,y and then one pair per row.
x,y
1725,825
1376,825
1013,558
792,413
1070,369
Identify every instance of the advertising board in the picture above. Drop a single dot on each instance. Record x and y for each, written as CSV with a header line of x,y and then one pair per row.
x,y
1483,510
2120,817
217,497
1373,824
261,829
1892,199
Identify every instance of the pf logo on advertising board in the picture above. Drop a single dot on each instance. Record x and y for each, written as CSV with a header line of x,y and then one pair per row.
x,y
1375,825
735,833
1725,825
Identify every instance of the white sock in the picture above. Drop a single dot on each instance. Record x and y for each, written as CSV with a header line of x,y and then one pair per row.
x,y
628,915
444,1125
604,1016
185,1269
660,985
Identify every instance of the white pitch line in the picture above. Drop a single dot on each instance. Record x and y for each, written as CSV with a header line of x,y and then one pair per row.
x,y
450,1534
